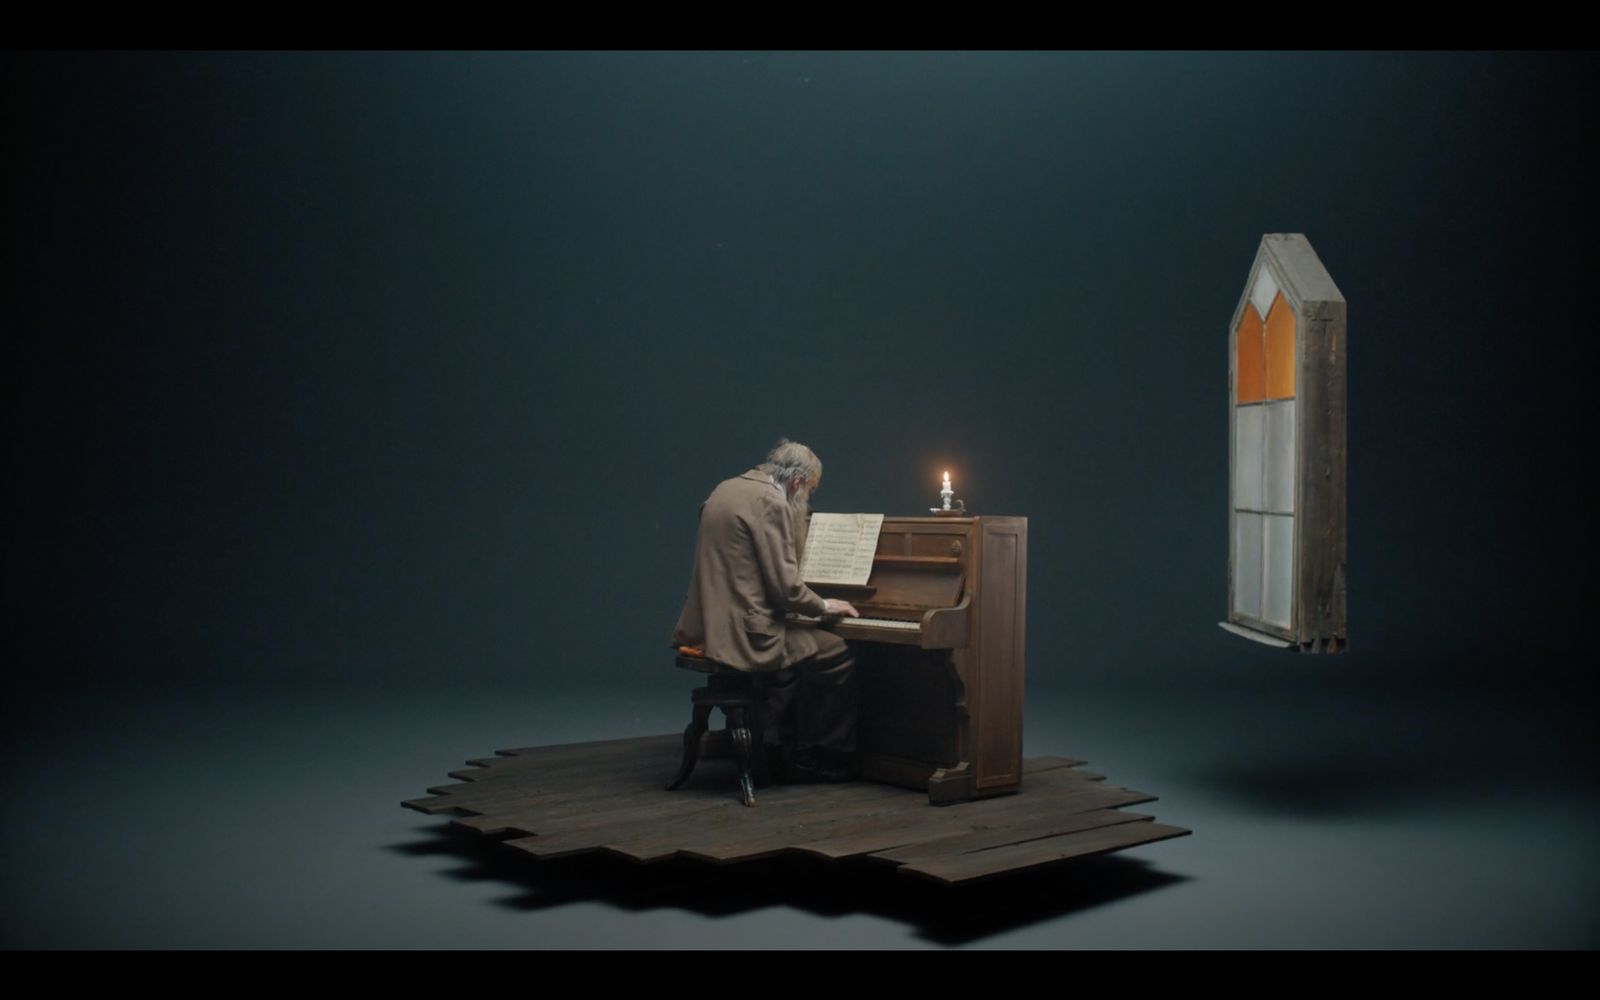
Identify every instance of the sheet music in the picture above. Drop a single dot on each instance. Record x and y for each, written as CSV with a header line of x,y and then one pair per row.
x,y
839,548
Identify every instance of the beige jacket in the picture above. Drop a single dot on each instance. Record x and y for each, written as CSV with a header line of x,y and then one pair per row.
x,y
746,575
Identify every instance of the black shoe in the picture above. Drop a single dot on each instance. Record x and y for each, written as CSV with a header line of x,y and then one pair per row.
x,y
777,765
819,765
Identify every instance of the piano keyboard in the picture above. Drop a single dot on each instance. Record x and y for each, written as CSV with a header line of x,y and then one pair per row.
x,y
869,622
882,623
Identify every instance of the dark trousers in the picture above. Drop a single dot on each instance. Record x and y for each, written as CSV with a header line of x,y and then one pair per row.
x,y
814,702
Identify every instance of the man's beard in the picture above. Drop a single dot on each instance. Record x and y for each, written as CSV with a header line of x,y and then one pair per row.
x,y
799,517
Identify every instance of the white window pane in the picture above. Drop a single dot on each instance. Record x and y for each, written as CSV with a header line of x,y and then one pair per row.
x,y
1280,570
1280,456
1264,291
1247,530
1248,449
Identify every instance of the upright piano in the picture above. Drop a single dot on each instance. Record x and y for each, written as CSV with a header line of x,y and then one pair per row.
x,y
940,654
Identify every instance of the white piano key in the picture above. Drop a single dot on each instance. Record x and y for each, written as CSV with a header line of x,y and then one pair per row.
x,y
870,622
883,623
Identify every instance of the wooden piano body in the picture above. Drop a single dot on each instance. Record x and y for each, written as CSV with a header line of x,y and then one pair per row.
x,y
941,668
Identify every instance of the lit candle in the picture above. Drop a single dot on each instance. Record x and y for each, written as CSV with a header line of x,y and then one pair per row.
x,y
947,480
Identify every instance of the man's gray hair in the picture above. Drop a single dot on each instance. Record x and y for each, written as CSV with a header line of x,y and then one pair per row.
x,y
791,458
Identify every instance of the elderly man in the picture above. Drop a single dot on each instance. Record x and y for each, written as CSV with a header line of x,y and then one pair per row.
x,y
746,576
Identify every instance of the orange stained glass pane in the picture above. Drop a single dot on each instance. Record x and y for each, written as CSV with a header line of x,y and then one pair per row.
x,y
1250,371
1280,349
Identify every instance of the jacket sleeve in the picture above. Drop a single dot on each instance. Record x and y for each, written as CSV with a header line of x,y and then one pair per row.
x,y
773,539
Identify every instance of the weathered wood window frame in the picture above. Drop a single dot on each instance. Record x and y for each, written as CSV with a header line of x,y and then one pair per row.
x,y
1286,452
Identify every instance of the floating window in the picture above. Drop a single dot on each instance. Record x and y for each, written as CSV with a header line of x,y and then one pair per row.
x,y
1286,569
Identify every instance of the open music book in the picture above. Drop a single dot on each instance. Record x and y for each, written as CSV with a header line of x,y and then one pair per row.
x,y
839,548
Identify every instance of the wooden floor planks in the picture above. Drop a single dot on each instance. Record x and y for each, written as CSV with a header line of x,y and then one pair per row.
x,y
608,796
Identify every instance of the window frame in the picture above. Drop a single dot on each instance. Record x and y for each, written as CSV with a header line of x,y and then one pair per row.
x,y
1317,574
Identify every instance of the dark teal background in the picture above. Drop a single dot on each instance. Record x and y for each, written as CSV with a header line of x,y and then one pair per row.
x,y
362,405
393,367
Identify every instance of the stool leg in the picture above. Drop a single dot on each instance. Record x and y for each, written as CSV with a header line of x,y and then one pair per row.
x,y
691,744
741,740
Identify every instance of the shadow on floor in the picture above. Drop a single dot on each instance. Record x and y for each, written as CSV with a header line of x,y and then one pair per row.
x,y
940,914
1343,764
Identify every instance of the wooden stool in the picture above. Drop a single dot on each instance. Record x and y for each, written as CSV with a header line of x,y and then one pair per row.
x,y
743,702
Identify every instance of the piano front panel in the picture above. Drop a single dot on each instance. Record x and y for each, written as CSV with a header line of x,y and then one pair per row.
x,y
926,539
903,591
908,707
